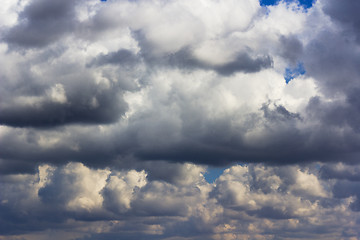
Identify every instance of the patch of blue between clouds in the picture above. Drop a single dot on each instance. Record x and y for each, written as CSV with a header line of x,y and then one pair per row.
x,y
213,173
291,73
304,3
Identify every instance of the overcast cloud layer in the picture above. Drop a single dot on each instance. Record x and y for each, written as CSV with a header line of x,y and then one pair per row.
x,y
111,112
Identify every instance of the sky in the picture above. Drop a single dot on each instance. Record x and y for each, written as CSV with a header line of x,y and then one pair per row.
x,y
179,119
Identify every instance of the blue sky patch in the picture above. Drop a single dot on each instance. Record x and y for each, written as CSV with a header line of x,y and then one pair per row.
x,y
304,3
291,73
213,173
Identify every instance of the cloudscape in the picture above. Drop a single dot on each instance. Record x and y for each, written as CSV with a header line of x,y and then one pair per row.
x,y
179,119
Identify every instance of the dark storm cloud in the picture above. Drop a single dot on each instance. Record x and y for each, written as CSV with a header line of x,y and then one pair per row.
x,y
42,23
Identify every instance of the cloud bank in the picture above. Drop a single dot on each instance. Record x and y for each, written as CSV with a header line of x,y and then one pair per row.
x,y
111,111
245,202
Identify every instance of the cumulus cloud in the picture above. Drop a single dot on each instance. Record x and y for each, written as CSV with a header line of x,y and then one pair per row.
x,y
244,202
124,104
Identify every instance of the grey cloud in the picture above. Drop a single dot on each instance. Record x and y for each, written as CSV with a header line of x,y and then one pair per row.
x,y
271,213
173,173
244,63
340,171
121,57
151,201
279,114
161,210
17,193
184,59
347,181
346,13
126,236
97,147
291,48
217,142
199,140
337,113
79,109
62,93
286,147
345,189
14,166
42,23
331,60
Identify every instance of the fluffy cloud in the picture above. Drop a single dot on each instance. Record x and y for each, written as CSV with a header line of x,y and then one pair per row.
x,y
124,104
244,202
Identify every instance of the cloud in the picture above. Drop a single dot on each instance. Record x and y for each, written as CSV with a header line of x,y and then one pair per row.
x,y
345,14
121,57
55,111
347,183
189,58
340,171
257,199
213,96
111,112
41,23
119,190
